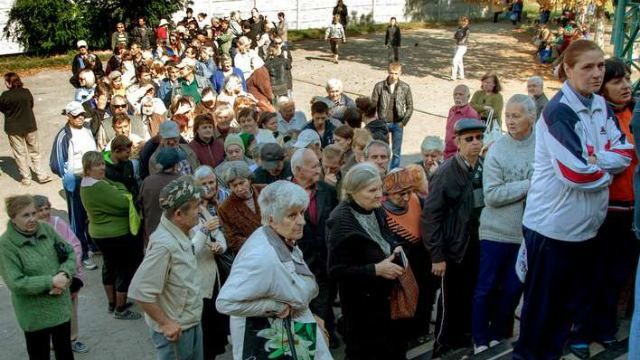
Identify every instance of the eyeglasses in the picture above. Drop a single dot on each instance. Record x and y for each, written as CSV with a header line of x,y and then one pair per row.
x,y
119,106
469,139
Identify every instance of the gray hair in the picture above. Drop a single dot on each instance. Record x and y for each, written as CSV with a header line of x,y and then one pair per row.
x,y
297,159
277,198
236,169
202,172
334,84
467,91
376,143
40,201
537,80
284,100
358,177
528,106
431,143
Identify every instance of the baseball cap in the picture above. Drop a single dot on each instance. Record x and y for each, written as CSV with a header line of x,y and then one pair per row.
x,y
186,62
81,43
73,108
169,129
307,137
167,157
178,192
270,155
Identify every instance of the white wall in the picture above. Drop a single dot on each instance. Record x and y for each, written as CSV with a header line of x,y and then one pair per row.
x,y
6,46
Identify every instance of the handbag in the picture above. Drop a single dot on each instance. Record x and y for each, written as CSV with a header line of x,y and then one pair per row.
x,y
404,296
134,217
493,132
270,338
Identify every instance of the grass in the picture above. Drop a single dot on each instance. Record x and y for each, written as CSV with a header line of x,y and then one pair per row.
x,y
26,64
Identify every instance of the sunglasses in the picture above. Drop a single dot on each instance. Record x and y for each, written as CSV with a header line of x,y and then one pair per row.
x,y
477,137
116,106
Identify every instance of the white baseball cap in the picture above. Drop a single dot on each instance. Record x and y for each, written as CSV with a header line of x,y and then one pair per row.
x,y
81,43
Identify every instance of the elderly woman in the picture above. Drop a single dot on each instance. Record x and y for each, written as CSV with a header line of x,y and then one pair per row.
x,y
225,122
209,245
20,125
339,100
361,262
403,208
566,202
209,150
488,98
37,265
616,244
107,204
506,179
225,70
432,150
43,206
87,80
535,89
240,212
271,283
251,134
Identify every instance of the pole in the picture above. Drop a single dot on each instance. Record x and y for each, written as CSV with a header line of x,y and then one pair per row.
x,y
617,33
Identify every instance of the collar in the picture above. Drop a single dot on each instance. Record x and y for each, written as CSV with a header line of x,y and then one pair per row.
x,y
285,254
181,238
359,209
313,187
576,101
19,239
460,109
200,141
465,164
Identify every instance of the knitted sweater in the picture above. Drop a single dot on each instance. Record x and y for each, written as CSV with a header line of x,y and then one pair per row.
x,y
107,207
506,178
480,99
27,266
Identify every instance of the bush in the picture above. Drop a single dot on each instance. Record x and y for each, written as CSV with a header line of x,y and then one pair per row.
x,y
54,26
46,26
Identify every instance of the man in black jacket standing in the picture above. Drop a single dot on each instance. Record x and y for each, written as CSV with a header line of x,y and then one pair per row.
x,y
394,103
306,169
392,39
450,222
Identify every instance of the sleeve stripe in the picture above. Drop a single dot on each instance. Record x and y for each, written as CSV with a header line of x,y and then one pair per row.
x,y
580,178
624,152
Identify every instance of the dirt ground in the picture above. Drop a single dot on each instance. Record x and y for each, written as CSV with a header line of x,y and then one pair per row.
x,y
426,55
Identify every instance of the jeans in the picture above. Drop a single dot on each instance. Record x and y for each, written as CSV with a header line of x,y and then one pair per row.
x,y
458,64
634,336
188,346
497,292
78,218
396,143
39,342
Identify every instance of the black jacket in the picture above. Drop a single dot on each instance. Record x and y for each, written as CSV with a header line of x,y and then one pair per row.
x,y
17,107
382,97
392,37
314,242
363,295
378,129
262,176
280,74
123,173
448,219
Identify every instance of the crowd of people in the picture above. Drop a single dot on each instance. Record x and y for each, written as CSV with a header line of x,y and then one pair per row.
x,y
227,216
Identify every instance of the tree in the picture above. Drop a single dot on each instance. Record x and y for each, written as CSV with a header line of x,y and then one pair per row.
x,y
54,26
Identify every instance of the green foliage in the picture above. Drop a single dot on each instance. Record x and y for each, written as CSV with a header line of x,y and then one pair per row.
x,y
54,26
46,26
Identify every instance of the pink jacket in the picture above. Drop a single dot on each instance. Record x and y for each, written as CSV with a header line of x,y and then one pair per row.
x,y
456,113
63,229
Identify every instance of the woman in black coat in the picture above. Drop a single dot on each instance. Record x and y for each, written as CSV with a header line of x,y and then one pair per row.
x,y
360,261
341,9
20,125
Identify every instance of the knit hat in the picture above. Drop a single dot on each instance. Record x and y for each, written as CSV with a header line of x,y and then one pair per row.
x,y
432,143
398,180
233,139
235,169
178,192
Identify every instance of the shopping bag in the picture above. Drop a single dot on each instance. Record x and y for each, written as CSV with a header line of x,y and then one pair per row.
x,y
270,338
521,262
493,132
134,217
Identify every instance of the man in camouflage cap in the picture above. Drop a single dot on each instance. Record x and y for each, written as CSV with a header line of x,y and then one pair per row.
x,y
167,283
